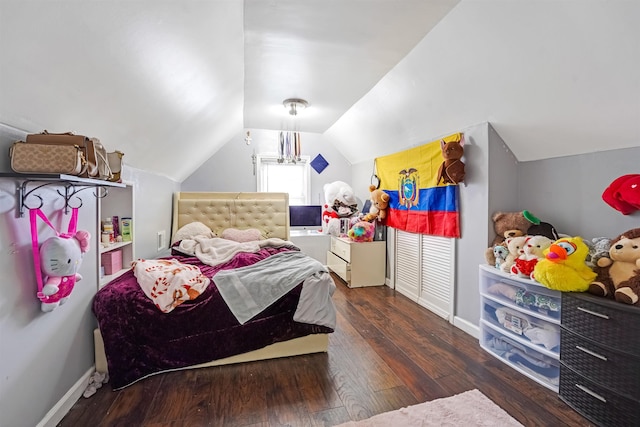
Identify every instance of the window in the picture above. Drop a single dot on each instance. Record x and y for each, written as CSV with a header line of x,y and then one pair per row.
x,y
285,177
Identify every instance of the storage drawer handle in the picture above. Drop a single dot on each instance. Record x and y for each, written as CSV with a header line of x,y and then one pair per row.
x,y
591,393
593,313
592,353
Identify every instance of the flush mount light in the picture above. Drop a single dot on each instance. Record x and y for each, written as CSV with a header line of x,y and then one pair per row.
x,y
295,105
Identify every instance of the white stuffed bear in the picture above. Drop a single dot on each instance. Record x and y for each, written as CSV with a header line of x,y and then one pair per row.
x,y
60,259
340,202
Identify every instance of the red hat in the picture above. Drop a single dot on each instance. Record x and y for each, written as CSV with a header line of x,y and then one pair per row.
x,y
623,194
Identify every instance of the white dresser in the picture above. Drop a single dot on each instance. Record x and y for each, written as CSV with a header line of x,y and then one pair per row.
x,y
358,264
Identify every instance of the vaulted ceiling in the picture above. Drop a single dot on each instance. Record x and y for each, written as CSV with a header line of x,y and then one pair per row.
x,y
170,82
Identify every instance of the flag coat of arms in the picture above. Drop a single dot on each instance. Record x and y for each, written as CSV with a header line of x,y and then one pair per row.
x,y
419,204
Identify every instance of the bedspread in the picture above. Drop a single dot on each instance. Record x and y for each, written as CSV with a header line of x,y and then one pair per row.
x,y
140,340
245,296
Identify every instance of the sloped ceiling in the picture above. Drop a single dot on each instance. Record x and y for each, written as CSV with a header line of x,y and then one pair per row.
x,y
170,82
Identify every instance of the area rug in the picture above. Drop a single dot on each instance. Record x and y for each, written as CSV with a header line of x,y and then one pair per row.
x,y
467,409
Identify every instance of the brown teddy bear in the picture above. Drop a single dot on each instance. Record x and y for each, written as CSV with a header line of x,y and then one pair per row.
x,y
506,224
619,275
452,169
379,204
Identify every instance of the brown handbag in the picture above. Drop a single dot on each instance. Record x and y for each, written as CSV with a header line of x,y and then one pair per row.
x,y
70,138
47,159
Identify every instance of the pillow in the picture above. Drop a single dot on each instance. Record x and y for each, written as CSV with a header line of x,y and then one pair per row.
x,y
192,230
241,236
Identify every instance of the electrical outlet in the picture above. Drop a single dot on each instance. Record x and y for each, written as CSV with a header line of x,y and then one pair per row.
x,y
162,240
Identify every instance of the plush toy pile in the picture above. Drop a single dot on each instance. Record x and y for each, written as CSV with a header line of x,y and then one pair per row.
x,y
340,202
527,247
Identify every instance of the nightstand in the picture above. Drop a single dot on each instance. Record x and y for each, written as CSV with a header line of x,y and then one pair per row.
x,y
359,264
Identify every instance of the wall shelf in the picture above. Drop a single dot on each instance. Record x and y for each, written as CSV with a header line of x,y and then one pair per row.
x,y
29,183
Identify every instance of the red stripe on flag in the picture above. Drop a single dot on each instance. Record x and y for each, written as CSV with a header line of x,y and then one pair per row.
x,y
437,223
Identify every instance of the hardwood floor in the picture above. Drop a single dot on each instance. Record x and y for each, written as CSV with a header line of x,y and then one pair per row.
x,y
387,352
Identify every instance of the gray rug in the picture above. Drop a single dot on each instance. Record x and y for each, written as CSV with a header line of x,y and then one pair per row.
x,y
468,409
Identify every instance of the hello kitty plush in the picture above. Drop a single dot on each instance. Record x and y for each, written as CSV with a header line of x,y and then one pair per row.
x,y
60,259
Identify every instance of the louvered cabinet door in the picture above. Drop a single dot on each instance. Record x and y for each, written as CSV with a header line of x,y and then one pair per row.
x,y
407,264
424,270
437,275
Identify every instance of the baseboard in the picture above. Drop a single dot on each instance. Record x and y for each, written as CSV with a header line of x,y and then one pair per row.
x,y
60,409
467,326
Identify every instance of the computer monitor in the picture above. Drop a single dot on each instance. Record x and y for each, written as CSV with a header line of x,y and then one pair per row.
x,y
305,217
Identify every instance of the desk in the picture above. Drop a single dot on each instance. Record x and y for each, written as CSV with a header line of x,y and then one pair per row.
x,y
312,243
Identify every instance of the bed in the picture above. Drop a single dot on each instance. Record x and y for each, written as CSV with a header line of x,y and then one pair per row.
x,y
137,339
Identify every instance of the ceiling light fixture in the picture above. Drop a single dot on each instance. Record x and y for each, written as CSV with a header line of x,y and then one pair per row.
x,y
295,105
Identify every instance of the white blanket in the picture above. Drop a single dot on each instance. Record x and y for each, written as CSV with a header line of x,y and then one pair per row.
x,y
251,289
215,251
169,283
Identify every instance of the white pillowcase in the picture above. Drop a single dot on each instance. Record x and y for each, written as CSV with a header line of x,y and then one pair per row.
x,y
192,230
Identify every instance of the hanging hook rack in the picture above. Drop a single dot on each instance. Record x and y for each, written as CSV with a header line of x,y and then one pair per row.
x,y
72,185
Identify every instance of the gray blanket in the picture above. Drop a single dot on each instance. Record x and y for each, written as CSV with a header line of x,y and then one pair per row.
x,y
249,290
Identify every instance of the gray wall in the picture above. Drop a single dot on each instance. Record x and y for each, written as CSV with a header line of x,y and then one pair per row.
x,y
568,191
231,168
44,354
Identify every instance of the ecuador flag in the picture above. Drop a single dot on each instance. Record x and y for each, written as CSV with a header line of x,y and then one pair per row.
x,y
417,203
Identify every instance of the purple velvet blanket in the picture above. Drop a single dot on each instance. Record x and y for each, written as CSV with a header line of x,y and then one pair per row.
x,y
140,340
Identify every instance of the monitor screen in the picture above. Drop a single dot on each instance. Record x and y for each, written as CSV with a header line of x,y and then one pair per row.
x,y
303,217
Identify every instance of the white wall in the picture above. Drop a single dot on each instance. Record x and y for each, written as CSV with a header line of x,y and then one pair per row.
x,y
231,168
43,355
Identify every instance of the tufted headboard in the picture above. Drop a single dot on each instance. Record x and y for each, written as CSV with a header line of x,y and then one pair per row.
x,y
268,212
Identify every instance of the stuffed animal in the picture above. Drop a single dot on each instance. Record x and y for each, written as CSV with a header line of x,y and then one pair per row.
x,y
506,224
540,228
379,205
515,245
452,169
60,259
563,267
533,251
362,231
340,202
500,253
618,276
598,248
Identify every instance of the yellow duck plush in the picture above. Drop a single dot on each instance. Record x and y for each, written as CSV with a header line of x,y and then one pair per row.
x,y
564,266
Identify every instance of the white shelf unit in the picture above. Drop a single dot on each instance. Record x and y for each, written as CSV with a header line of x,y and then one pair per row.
x,y
118,202
520,324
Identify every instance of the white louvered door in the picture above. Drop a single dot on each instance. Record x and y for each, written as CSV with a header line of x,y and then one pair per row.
x,y
437,268
407,262
425,270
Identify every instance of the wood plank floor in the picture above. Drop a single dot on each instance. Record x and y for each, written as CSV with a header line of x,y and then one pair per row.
x,y
387,352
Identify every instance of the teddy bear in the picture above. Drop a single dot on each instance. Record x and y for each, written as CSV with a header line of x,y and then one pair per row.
x,y
515,245
379,205
506,224
451,170
60,260
618,276
531,253
340,202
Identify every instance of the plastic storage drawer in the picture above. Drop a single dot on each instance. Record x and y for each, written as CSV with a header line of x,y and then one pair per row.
x,y
524,293
539,367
